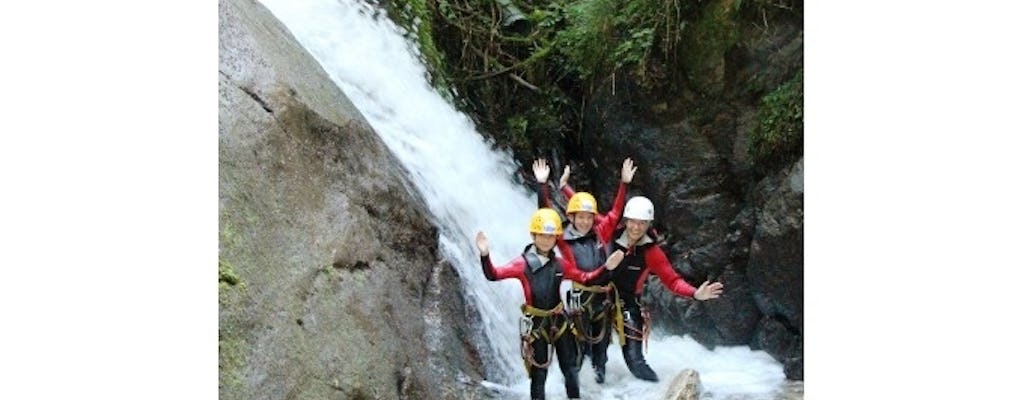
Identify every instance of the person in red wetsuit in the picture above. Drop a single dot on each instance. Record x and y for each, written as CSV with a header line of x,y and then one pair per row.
x,y
588,233
627,173
642,256
544,324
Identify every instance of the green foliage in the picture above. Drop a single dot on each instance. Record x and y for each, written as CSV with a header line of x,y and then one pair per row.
x,y
604,36
517,126
538,127
525,83
585,40
634,49
778,137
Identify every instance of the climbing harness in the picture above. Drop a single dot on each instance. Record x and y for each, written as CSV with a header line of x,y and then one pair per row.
x,y
621,315
580,310
641,334
550,326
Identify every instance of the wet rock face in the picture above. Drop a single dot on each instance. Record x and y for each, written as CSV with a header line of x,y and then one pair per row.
x,y
776,266
723,219
697,201
332,274
748,236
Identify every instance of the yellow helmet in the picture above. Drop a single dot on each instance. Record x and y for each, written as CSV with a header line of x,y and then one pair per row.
x,y
546,221
582,201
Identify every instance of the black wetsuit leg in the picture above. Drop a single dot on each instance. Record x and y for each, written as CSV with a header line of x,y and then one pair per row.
x,y
567,350
632,350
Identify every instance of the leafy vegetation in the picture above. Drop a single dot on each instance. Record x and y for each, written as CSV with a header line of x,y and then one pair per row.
x,y
525,70
778,137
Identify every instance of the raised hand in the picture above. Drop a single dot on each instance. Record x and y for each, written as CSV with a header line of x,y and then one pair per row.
x,y
481,243
565,177
628,170
708,290
541,170
614,259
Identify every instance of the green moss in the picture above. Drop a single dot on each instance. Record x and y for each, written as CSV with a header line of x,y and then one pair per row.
x,y
778,137
228,235
707,40
230,363
227,273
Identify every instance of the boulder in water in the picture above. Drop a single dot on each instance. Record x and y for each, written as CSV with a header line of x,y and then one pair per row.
x,y
685,386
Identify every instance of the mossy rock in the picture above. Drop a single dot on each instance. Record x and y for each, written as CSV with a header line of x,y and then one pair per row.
x,y
231,360
777,139
706,42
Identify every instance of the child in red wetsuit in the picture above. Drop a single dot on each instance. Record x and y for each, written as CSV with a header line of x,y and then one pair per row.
x,y
588,234
540,271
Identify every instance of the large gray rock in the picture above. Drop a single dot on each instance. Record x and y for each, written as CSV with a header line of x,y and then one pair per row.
x,y
776,267
330,279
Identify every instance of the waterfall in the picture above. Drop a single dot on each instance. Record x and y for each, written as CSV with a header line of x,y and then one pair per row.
x,y
469,187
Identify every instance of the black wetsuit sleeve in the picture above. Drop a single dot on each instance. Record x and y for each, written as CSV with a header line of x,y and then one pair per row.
x,y
543,198
485,262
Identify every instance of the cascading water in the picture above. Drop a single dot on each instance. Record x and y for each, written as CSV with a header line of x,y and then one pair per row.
x,y
469,187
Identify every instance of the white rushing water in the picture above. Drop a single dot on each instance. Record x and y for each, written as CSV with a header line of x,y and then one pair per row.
x,y
469,187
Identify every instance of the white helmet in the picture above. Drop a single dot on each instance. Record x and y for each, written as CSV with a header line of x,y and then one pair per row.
x,y
640,208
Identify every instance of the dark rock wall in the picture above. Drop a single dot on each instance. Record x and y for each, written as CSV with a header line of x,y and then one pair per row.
x,y
723,217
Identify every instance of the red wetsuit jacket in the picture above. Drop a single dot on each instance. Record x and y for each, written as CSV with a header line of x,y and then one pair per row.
x,y
540,281
641,259
604,224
